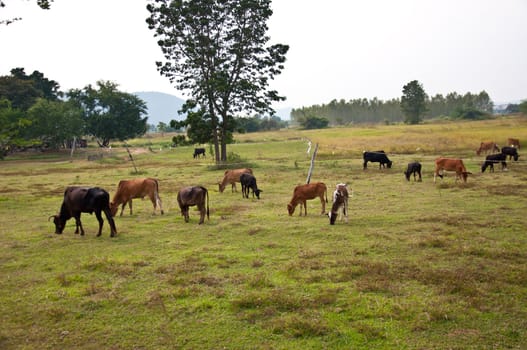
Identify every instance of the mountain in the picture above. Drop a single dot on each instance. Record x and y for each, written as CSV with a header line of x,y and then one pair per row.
x,y
164,107
161,107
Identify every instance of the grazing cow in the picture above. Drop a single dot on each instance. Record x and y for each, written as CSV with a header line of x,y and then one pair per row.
x,y
248,181
198,152
415,169
340,200
494,158
514,143
376,157
193,195
79,200
136,188
451,164
309,191
231,177
512,152
487,147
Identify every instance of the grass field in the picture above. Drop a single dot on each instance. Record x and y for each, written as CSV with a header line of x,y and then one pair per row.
x,y
420,265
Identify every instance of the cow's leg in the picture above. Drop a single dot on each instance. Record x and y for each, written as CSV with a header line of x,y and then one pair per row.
x,y
159,203
101,221
323,204
130,205
305,208
365,165
122,208
78,224
184,212
345,209
111,222
201,213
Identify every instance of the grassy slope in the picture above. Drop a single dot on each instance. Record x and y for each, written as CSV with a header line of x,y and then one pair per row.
x,y
420,265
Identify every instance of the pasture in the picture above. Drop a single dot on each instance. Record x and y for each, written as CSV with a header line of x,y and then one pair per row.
x,y
419,265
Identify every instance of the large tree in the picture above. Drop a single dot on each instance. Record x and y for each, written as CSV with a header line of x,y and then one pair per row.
x,y
413,102
110,114
43,4
216,53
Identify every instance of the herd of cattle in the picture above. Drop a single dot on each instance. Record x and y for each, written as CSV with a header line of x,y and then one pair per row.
x,y
96,200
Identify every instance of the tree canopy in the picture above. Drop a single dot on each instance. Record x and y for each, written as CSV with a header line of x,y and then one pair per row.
x,y
216,52
43,4
109,113
413,102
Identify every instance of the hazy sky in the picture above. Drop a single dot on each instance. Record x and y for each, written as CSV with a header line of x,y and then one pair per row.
x,y
339,49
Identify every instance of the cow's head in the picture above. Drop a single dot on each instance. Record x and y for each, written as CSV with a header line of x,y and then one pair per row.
x,y
465,174
257,193
407,174
389,164
113,208
221,187
59,224
290,209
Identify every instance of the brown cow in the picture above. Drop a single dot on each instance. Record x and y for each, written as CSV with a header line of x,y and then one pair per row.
x,y
514,143
193,195
136,188
231,177
305,192
451,164
487,147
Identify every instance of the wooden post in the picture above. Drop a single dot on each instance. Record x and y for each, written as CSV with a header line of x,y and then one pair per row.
x,y
312,164
130,155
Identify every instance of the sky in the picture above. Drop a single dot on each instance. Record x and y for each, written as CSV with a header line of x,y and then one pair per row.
x,y
339,49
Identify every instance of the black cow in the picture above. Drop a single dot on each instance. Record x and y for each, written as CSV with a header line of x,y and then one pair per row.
x,y
491,159
512,152
79,200
198,152
376,157
413,168
248,181
190,196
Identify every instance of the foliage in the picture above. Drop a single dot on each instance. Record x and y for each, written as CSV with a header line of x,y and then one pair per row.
x,y
216,51
12,124
413,102
259,123
523,107
110,114
468,113
313,122
54,122
180,140
23,90
43,4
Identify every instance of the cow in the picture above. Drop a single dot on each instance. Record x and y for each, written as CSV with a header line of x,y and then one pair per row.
x,y
135,188
491,159
415,169
512,152
513,143
79,200
302,193
248,181
451,164
198,152
231,177
487,147
340,200
193,195
376,157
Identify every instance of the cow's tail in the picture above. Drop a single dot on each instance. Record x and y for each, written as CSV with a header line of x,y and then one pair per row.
x,y
207,195
156,195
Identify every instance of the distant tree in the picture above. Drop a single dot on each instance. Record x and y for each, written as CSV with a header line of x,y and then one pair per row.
x,y
523,107
313,122
53,123
12,124
216,51
469,113
23,90
198,124
110,114
43,4
413,102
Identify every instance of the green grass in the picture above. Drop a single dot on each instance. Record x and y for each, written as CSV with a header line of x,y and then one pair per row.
x,y
419,265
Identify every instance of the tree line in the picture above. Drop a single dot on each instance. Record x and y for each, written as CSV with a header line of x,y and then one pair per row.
x,y
35,113
356,111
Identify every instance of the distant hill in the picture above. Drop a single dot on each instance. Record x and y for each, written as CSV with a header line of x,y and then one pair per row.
x,y
164,107
161,107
